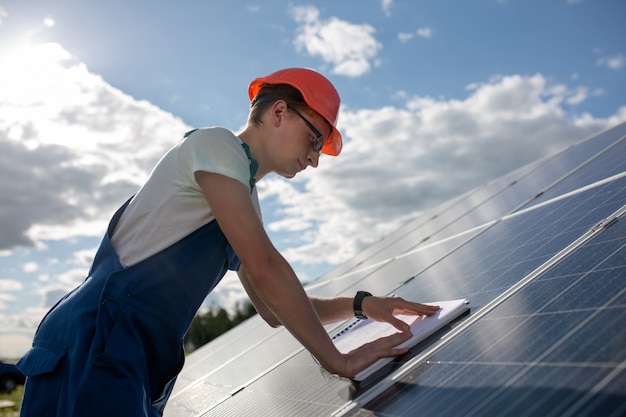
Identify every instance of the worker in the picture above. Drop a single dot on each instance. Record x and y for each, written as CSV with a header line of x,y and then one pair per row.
x,y
113,345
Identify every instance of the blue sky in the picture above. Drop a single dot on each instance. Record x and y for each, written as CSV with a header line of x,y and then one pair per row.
x,y
438,98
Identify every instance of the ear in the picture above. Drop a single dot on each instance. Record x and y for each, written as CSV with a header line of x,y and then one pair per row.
x,y
277,112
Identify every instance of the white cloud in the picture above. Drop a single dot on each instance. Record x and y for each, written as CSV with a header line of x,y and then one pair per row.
x,y
580,94
425,32
14,344
49,22
386,6
351,49
84,257
16,333
405,37
73,147
228,294
3,14
71,278
10,285
615,62
7,288
30,267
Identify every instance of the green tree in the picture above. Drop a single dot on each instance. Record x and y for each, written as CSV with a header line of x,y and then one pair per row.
x,y
207,326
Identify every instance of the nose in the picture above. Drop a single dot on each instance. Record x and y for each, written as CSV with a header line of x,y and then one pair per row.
x,y
313,158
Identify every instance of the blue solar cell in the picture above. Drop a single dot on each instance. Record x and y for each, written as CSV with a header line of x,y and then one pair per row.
x,y
610,402
542,391
609,163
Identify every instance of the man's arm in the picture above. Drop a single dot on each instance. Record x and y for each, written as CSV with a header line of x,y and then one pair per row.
x,y
272,280
269,276
331,310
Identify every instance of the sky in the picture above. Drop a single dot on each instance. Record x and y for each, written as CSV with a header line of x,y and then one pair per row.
x,y
438,98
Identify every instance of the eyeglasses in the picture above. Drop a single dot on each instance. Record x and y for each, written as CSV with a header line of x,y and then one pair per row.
x,y
318,142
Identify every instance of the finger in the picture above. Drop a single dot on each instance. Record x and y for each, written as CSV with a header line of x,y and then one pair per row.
x,y
399,324
369,353
391,341
386,353
388,345
416,308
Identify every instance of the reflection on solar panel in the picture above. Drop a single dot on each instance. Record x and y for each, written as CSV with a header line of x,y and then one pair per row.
x,y
541,255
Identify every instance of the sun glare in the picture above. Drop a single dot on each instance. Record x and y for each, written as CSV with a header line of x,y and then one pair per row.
x,y
37,81
49,22
29,73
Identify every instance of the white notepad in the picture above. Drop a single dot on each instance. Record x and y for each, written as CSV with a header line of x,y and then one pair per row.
x,y
359,332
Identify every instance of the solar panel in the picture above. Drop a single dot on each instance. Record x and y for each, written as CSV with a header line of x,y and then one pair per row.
x,y
555,347
541,255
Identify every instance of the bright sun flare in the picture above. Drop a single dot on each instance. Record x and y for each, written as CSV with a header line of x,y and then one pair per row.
x,y
26,68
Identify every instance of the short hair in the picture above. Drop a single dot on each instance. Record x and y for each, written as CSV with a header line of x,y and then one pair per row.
x,y
268,94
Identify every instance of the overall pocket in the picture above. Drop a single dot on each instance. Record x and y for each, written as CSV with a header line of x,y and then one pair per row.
x,y
41,359
41,392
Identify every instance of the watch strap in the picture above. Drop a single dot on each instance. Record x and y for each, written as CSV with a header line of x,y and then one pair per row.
x,y
358,300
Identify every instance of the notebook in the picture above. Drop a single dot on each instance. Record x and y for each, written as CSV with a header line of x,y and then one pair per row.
x,y
359,332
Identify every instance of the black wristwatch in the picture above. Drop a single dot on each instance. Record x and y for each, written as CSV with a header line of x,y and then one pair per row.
x,y
358,299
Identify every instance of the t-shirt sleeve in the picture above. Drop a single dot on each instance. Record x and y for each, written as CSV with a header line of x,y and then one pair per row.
x,y
215,150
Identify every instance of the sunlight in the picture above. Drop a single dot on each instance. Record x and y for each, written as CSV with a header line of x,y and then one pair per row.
x,y
27,71
38,81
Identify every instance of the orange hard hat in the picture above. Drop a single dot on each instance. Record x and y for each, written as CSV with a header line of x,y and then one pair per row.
x,y
319,94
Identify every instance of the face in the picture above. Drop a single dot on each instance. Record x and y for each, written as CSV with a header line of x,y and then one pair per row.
x,y
304,141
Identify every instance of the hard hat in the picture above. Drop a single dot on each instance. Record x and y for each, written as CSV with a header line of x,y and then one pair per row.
x,y
319,94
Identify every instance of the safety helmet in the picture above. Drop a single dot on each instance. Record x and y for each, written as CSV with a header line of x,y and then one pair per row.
x,y
319,94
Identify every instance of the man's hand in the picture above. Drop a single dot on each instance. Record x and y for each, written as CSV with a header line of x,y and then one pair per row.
x,y
363,356
385,308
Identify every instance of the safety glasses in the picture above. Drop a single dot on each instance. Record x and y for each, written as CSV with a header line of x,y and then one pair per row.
x,y
318,142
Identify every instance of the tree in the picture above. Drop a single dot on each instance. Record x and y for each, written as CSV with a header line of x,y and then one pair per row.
x,y
207,326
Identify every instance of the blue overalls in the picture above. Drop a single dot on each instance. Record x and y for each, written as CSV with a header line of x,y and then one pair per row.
x,y
113,346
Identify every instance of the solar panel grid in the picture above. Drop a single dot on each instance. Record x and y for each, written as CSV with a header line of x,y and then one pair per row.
x,y
550,341
226,372
497,259
225,349
604,165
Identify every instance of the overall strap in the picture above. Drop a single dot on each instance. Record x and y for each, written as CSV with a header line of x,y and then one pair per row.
x,y
254,165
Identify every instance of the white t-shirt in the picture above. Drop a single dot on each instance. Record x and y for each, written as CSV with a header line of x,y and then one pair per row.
x,y
170,205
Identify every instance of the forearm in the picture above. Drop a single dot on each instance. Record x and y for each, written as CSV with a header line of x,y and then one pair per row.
x,y
257,302
329,310
332,310
281,292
